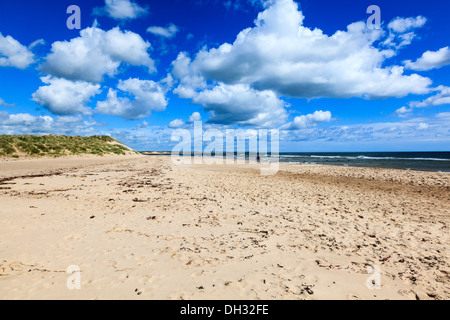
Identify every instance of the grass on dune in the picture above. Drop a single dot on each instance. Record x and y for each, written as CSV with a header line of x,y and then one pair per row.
x,y
57,146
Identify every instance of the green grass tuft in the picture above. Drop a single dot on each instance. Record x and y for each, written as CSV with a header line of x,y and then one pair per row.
x,y
57,146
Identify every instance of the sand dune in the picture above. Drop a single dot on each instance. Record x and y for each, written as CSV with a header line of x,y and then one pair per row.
x,y
144,228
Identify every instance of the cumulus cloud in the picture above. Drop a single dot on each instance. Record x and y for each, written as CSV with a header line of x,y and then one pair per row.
x,y
7,119
97,53
402,25
64,97
375,135
441,98
404,112
14,54
244,82
24,123
229,104
190,81
282,55
402,31
399,41
142,125
423,126
309,120
177,123
242,105
409,133
121,10
430,60
195,117
147,95
167,32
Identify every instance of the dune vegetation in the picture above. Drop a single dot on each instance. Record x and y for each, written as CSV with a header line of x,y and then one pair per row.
x,y
56,146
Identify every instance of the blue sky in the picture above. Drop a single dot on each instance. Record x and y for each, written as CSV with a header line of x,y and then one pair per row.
x,y
137,70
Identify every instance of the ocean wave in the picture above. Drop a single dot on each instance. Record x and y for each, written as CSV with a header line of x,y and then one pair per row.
x,y
365,158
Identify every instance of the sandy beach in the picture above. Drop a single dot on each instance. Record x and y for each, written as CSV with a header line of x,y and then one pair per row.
x,y
141,227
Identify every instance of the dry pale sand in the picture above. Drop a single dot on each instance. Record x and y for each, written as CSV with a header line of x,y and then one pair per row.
x,y
144,228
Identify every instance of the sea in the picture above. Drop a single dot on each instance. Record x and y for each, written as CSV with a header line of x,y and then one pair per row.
x,y
418,161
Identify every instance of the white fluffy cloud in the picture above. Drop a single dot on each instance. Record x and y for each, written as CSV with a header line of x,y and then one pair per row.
x,y
14,54
239,104
404,112
195,117
167,32
430,60
402,31
177,123
229,104
121,9
148,96
409,133
24,123
282,55
441,98
97,53
244,82
10,120
402,25
64,97
190,81
310,120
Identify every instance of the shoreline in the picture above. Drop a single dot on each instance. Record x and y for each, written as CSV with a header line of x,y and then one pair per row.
x,y
325,163
221,231
367,167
